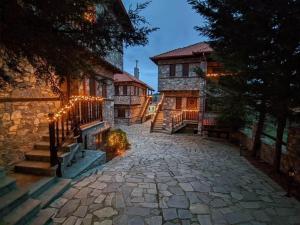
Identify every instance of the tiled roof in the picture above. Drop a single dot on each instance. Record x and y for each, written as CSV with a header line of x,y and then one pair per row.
x,y
187,51
126,77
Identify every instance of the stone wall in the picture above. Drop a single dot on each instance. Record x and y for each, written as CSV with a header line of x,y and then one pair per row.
x,y
23,114
108,105
90,133
290,153
180,84
132,114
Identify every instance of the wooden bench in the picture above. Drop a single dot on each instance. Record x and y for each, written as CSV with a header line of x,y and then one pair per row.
x,y
217,130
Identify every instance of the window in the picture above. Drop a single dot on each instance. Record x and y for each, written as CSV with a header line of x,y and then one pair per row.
x,y
117,90
185,70
179,70
121,113
178,102
125,90
172,70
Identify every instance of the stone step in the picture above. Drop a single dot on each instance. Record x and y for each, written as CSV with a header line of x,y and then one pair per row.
x,y
6,185
35,167
11,200
54,191
160,131
40,155
22,213
44,217
43,145
41,186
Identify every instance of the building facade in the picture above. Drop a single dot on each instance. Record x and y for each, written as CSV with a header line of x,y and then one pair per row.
x,y
182,77
28,109
132,99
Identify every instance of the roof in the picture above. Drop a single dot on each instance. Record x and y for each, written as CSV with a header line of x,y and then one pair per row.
x,y
126,77
122,15
188,51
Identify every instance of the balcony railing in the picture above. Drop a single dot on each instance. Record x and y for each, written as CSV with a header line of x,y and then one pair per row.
x,y
177,120
191,115
66,123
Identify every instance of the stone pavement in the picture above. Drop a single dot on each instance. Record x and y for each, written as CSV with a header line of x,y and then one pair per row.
x,y
178,179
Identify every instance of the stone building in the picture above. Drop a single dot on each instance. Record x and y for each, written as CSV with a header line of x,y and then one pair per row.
x,y
132,98
181,84
25,109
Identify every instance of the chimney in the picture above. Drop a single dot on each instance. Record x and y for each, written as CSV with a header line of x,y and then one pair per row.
x,y
136,70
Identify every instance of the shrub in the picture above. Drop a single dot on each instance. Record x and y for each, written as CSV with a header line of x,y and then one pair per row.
x,y
117,140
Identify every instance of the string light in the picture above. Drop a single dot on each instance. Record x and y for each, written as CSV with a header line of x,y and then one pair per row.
x,y
73,99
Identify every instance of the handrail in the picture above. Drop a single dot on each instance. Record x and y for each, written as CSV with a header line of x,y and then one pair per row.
x,y
158,108
78,111
191,115
177,120
145,107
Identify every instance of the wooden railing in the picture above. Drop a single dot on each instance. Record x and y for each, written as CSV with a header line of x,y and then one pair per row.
x,y
191,115
177,120
158,108
147,102
66,122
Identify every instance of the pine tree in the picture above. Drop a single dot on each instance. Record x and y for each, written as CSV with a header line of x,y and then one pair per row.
x,y
259,41
66,37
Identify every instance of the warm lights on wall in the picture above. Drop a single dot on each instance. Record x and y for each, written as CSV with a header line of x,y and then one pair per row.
x,y
190,110
66,108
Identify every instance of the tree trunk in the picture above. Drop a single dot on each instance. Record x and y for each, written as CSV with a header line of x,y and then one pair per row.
x,y
281,123
259,129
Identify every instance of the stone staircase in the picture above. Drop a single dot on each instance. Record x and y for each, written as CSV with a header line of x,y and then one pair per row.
x,y
158,124
37,161
144,109
21,206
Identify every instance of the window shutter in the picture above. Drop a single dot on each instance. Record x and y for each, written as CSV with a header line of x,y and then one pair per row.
x,y
186,69
172,70
117,93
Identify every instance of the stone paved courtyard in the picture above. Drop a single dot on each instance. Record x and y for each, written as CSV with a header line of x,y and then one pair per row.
x,y
178,179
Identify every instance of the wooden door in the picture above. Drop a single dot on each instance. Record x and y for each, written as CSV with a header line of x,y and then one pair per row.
x,y
178,102
191,104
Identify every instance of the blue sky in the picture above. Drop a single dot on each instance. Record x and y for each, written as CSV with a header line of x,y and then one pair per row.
x,y
176,20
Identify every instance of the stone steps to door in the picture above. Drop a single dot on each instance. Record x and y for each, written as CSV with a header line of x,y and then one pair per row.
x,y
23,213
11,200
22,206
6,185
160,131
54,191
36,167
44,217
40,155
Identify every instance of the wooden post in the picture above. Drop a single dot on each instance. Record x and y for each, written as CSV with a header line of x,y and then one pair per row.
x,y
53,148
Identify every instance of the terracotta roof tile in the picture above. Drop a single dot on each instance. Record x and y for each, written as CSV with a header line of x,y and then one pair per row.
x,y
126,77
187,51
